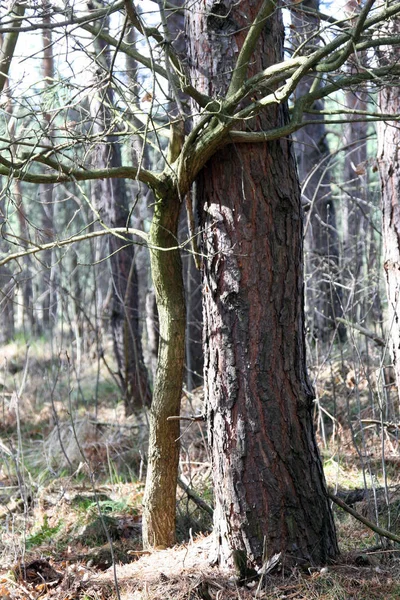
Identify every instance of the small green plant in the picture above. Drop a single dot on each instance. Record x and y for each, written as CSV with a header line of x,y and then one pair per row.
x,y
44,534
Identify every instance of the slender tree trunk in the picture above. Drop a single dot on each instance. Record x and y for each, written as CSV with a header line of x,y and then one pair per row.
x,y
389,170
113,206
7,301
163,457
323,297
25,278
269,485
47,289
359,248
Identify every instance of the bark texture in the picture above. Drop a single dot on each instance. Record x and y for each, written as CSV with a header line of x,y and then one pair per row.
x,y
389,169
160,495
269,484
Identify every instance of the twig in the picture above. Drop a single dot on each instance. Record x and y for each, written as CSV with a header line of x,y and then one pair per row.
x,y
377,339
192,418
382,423
19,586
367,522
195,498
114,424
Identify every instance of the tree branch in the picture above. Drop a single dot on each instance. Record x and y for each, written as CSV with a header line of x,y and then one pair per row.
x,y
148,177
118,231
376,338
195,497
367,522
87,18
246,51
9,43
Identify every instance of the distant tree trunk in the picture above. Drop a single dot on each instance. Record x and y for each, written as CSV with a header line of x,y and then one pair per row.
x,y
194,362
359,246
389,170
194,324
268,480
153,331
25,278
7,302
159,505
323,297
113,206
47,289
356,213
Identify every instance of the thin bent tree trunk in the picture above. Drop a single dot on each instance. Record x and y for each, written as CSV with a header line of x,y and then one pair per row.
x,y
163,457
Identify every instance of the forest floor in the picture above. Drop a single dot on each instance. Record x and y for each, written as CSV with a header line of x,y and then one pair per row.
x,y
72,481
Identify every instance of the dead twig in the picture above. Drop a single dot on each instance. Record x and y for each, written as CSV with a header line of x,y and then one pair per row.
x,y
192,418
195,498
367,332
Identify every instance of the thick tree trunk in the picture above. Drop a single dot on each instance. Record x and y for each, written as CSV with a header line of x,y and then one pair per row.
x,y
269,485
163,456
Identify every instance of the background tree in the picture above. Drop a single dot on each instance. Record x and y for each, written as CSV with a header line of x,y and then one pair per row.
x,y
388,162
110,197
324,299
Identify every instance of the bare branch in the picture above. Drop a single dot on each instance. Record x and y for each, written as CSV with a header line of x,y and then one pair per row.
x,y
242,63
367,522
73,20
120,231
9,43
148,177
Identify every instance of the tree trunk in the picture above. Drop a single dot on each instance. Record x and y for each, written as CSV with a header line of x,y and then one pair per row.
x,y
163,456
323,297
389,170
269,485
113,206
7,302
47,288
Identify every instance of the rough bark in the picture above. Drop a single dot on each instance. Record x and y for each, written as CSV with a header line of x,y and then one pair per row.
x,y
269,485
389,170
160,495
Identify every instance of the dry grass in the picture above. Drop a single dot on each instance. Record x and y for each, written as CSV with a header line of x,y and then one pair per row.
x,y
50,511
